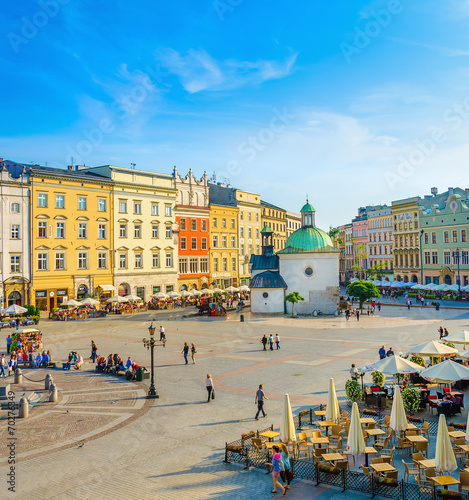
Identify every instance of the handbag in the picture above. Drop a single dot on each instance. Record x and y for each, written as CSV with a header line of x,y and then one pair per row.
x,y
213,394
290,474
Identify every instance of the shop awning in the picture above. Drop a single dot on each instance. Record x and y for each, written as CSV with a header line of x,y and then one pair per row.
x,y
107,288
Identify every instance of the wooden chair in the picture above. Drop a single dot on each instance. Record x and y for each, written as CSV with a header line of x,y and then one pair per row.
x,y
301,446
425,430
429,473
377,460
402,445
424,487
338,447
409,470
387,454
460,454
318,454
366,471
450,428
336,433
411,433
257,444
464,479
384,422
371,425
381,443
316,434
459,441
416,457
343,418
422,447
392,474
342,464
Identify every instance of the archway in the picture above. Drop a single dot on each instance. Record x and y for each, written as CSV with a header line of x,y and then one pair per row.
x,y
14,298
398,278
414,279
124,289
406,279
448,280
82,290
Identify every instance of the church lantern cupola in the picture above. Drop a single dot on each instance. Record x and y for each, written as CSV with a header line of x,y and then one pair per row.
x,y
308,215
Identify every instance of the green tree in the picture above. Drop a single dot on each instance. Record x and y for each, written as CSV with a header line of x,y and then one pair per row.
x,y
363,291
293,298
333,232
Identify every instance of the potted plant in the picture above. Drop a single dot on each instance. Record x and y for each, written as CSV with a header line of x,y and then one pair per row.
x,y
411,399
418,360
378,378
353,390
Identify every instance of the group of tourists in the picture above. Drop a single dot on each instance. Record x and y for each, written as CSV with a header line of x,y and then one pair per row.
x,y
185,352
115,364
270,340
74,359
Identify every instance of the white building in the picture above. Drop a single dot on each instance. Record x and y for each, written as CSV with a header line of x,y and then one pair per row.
x,y
309,264
380,241
14,234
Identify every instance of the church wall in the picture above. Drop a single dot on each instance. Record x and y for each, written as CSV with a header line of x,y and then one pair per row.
x,y
321,289
272,304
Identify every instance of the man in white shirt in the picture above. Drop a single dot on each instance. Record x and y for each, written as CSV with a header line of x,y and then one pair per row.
x,y
162,335
353,373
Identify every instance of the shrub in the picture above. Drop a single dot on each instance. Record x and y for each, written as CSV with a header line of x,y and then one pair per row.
x,y
353,390
378,378
450,344
36,319
411,399
418,360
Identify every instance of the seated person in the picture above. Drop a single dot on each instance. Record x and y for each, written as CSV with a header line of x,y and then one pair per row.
x,y
50,356
67,365
120,365
78,362
129,363
45,359
101,364
38,360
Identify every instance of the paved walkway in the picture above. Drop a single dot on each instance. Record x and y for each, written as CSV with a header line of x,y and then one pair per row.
x,y
172,448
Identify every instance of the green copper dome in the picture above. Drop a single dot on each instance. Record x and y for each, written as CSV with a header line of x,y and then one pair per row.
x,y
266,229
308,207
308,239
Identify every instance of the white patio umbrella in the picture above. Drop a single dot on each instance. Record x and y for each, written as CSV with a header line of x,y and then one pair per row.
x,y
71,303
185,293
442,288
418,286
244,288
117,299
173,294
445,460
332,408
132,298
463,354
160,295
431,286
15,309
90,302
467,428
461,337
195,292
398,420
453,288
445,372
287,426
433,348
232,289
207,291
217,290
394,364
465,288
355,440
385,283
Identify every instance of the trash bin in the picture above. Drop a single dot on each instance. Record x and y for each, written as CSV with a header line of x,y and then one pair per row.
x,y
437,307
140,372
241,318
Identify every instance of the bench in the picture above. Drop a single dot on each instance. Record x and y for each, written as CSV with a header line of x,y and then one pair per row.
x,y
122,373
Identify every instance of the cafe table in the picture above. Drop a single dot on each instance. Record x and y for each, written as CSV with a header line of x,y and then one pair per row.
x,y
269,434
369,450
383,467
457,434
318,441
320,413
367,420
416,439
412,427
463,447
375,432
444,481
429,463
326,424
332,457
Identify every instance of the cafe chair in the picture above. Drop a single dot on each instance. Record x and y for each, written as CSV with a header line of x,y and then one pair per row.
x,y
422,447
257,444
315,434
366,471
392,474
343,418
429,473
432,402
318,454
402,445
342,464
377,460
387,454
425,430
460,454
464,479
424,487
336,448
336,433
409,470
416,457
302,447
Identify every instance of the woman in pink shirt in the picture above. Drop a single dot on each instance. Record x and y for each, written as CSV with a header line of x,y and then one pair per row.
x,y
276,468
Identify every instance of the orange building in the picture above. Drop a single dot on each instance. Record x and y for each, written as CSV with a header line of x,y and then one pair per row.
x,y
192,217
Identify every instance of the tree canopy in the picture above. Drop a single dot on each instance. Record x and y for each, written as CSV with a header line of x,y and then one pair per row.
x,y
293,298
363,290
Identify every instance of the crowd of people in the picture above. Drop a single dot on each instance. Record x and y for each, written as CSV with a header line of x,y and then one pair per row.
x,y
270,340
115,364
75,360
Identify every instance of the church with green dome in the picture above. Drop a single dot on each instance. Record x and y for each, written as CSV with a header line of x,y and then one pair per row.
x,y
308,264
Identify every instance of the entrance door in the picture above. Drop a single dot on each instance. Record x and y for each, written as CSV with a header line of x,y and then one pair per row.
x,y
51,303
14,298
448,279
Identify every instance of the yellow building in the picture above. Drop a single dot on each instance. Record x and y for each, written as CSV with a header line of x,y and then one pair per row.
x,y
224,245
71,234
275,218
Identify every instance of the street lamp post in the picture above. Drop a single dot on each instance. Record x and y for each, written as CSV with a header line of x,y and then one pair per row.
x,y
421,256
150,344
456,256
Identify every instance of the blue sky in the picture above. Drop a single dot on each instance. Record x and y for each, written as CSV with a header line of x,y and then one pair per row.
x,y
350,102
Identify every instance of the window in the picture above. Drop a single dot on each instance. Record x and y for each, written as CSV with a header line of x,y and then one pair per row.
x,y
224,241
464,257
42,200
215,264
241,215
138,261
155,260
42,229
60,230
204,265
427,257
214,222
193,224
214,241
249,232
59,201
102,231
182,243
241,232
81,230
203,243
59,261
15,263
433,238
182,224
203,225
194,265
82,260
169,233
233,263
137,207
123,206
101,205
434,257
232,223
137,231
223,223
167,210
241,251
447,258
15,232
169,259
156,289
455,236
102,260
169,288
257,233
182,266
122,261
426,239
249,215
257,217
193,243
154,231
123,231
233,242
42,261
15,207
225,264
81,203
154,209
446,237
463,235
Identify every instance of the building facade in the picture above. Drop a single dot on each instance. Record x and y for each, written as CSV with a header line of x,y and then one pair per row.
x,y
14,234
359,243
339,243
70,233
249,226
348,230
406,232
275,218
380,242
444,223
145,250
193,219
293,222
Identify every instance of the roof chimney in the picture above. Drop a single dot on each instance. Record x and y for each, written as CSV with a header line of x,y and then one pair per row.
x,y
434,191
450,190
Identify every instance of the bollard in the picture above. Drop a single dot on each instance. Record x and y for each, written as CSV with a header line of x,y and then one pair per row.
x,y
24,408
53,398
241,318
48,382
18,376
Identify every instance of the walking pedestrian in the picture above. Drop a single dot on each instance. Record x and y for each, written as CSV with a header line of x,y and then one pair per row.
x,y
94,351
210,387
193,353
276,468
286,474
17,321
185,351
162,335
390,352
379,306
277,340
264,341
440,331
3,365
271,342
358,314
260,396
382,352
8,344
353,373
446,333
